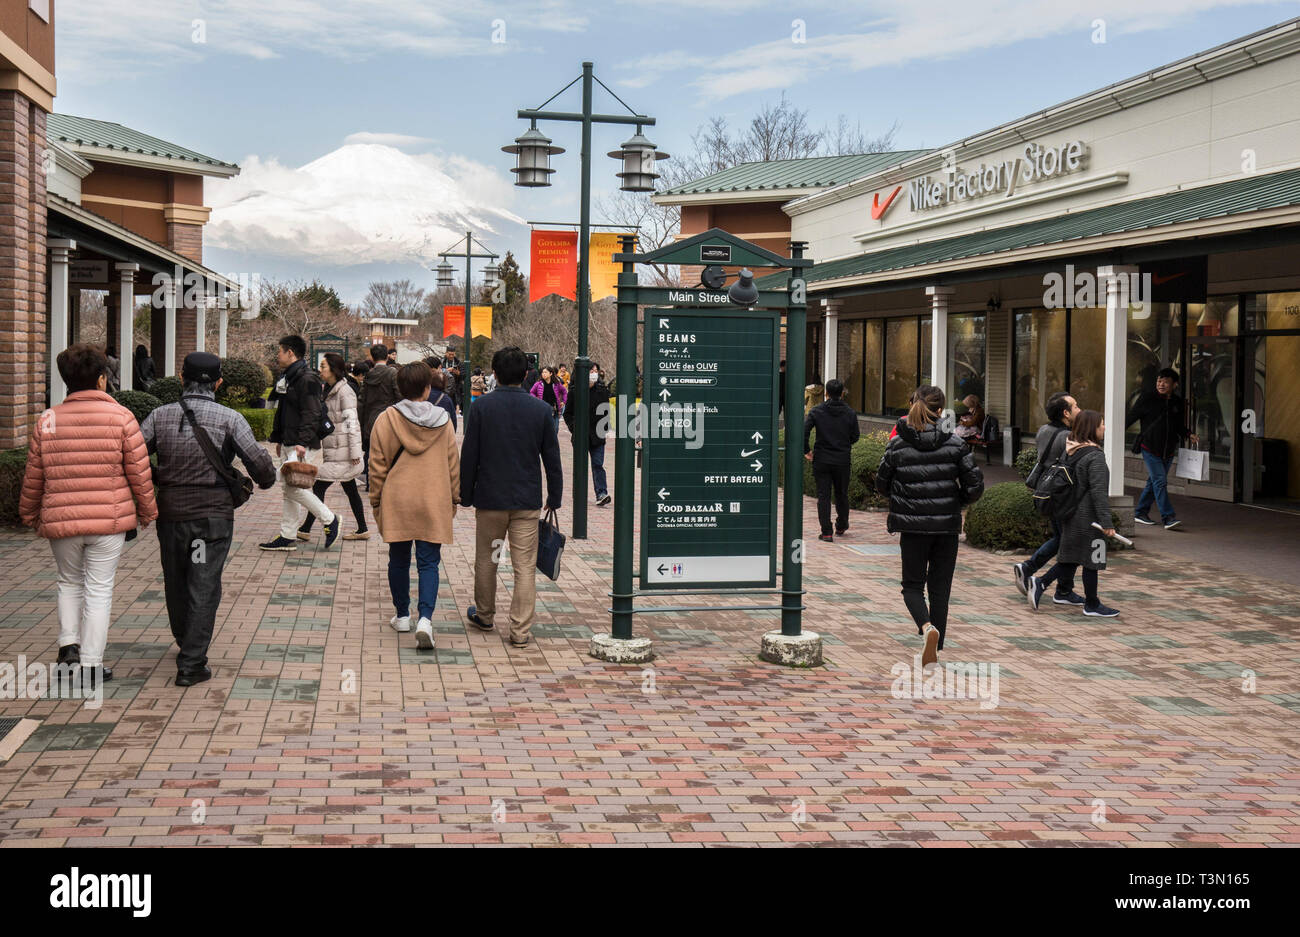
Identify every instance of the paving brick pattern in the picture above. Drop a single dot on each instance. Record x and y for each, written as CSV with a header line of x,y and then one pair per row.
x,y
1173,725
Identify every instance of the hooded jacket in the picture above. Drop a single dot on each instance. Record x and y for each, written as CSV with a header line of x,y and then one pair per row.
x,y
929,477
414,472
837,430
298,413
378,393
1080,541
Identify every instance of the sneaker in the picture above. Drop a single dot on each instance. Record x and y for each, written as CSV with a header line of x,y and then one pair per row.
x,y
1101,611
603,500
424,634
841,531
1144,520
931,653
332,531
472,614
279,543
1034,592
827,538
1022,578
1068,598
401,623
304,534
358,535
1170,525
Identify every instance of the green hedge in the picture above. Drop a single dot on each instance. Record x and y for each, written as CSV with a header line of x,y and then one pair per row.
x,y
1005,519
242,380
1026,459
166,389
13,462
260,420
138,402
864,460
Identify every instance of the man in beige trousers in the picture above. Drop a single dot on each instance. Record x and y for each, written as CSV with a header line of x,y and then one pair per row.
x,y
509,438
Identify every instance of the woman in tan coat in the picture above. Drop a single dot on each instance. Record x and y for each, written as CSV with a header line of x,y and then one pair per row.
x,y
414,488
87,483
341,449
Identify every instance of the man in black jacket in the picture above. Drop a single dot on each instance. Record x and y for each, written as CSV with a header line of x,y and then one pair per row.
x,y
506,434
598,397
378,393
297,426
837,430
1051,439
1161,414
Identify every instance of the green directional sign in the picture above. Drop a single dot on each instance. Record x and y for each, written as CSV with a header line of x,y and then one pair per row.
x,y
709,439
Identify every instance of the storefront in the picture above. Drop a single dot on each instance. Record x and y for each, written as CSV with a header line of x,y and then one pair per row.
x,y
1153,223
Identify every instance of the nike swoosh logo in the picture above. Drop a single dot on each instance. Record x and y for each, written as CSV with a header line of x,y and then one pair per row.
x,y
877,209
746,455
1156,281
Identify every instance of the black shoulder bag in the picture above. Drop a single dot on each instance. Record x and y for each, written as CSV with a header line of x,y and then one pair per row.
x,y
239,484
1032,481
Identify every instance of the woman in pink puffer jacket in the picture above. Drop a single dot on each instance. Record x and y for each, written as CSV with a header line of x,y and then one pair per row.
x,y
87,483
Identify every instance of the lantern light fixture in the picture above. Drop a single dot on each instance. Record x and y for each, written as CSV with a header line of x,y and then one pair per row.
x,y
533,151
638,155
444,273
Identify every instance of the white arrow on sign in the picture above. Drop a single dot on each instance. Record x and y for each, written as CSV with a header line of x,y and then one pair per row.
x,y
746,455
757,465
664,394
663,493
757,437
663,323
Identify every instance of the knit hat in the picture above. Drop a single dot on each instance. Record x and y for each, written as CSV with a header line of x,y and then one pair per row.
x,y
201,367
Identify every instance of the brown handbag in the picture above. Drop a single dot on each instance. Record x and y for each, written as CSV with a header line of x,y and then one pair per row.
x,y
298,474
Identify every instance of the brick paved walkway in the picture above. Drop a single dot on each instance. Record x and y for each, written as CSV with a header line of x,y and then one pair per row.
x,y
322,726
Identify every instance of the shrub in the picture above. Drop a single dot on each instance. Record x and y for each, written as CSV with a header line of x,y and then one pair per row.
x,y
13,462
138,402
166,389
243,380
259,421
864,460
1005,519
1025,461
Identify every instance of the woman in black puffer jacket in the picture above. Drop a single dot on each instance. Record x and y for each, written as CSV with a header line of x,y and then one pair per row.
x,y
929,475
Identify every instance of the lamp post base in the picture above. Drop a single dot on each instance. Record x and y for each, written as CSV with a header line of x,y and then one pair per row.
x,y
801,650
621,650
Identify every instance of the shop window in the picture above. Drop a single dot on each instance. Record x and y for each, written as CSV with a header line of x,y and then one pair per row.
x,y
900,364
1087,365
927,347
1040,365
1217,316
848,361
1155,341
967,357
872,352
1273,311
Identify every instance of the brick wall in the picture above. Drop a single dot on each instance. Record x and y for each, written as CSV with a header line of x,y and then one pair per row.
x,y
186,240
22,267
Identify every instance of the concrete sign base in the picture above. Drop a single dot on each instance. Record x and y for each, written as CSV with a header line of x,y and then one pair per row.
x,y
801,650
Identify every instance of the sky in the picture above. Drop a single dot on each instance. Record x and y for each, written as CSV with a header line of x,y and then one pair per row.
x,y
369,132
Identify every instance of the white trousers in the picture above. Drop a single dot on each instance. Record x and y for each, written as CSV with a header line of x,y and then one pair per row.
x,y
295,499
87,568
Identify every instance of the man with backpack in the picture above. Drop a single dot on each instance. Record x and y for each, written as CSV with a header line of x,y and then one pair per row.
x,y
299,425
197,488
1051,439
1161,414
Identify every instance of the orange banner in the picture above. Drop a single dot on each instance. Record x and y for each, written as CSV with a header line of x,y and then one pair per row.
x,y
554,265
604,272
453,321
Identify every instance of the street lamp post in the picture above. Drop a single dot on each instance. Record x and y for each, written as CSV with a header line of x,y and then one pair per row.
x,y
444,279
532,169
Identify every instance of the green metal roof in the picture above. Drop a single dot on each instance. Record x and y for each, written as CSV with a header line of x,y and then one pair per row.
x,y
110,136
1251,193
810,172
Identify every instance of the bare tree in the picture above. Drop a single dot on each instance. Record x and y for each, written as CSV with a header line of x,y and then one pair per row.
x,y
396,299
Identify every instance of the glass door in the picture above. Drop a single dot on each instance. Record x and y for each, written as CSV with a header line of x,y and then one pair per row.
x,y
1211,400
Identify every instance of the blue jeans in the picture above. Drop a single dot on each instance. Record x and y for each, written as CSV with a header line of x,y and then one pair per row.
x,y
427,557
598,479
1046,551
1157,487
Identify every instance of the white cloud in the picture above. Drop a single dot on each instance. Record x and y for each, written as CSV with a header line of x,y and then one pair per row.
x,y
361,203
130,34
900,32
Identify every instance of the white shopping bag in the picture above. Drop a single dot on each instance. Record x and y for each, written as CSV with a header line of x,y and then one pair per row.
x,y
1193,464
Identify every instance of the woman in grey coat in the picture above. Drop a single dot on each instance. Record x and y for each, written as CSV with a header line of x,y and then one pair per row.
x,y
1081,543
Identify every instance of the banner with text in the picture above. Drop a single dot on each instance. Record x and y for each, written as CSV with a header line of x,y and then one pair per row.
x,y
554,265
604,272
453,321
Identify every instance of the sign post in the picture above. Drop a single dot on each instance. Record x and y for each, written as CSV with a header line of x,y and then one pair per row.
x,y
709,433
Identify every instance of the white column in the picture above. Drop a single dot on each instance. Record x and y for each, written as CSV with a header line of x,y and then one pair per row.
x,y
831,339
201,322
1118,295
224,312
169,348
60,251
939,335
126,326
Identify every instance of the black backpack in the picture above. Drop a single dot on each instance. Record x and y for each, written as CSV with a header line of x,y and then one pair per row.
x,y
1057,493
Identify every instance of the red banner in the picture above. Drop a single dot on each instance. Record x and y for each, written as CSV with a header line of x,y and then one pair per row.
x,y
554,265
453,321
